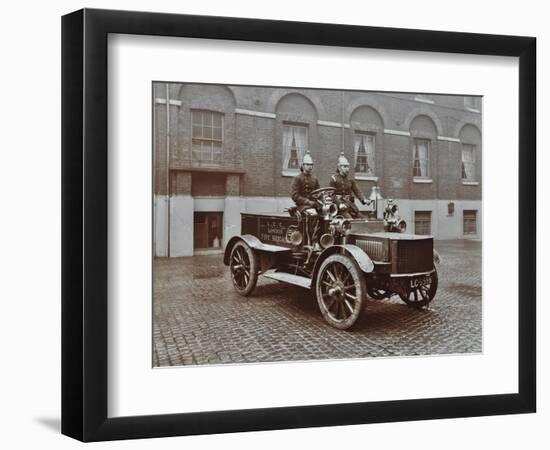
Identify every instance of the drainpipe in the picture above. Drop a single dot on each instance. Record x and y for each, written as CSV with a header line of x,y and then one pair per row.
x,y
154,188
168,169
343,137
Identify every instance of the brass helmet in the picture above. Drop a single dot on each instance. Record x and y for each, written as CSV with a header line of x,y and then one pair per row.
x,y
342,160
307,158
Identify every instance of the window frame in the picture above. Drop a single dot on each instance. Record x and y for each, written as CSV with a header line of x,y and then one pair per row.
x,y
200,161
472,103
365,175
291,171
474,162
430,214
464,212
428,176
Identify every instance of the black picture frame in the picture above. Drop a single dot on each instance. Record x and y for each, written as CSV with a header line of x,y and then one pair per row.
x,y
84,224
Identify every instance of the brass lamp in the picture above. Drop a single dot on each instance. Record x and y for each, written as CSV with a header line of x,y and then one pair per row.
x,y
374,197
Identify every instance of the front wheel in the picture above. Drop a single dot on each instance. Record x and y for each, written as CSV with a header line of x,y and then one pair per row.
x,y
340,291
243,264
420,291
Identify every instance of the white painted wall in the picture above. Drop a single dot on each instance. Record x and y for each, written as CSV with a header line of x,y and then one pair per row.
x,y
160,225
444,226
181,225
209,204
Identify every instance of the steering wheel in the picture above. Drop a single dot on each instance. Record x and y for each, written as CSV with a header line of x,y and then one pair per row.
x,y
317,193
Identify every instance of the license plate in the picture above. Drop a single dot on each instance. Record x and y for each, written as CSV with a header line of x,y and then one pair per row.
x,y
418,282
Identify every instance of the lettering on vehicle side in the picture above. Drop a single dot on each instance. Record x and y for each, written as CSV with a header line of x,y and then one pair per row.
x,y
273,231
271,238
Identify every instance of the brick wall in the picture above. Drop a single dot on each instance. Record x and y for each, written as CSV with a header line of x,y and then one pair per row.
x,y
204,184
254,144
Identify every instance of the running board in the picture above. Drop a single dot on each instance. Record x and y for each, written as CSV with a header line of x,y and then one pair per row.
x,y
296,280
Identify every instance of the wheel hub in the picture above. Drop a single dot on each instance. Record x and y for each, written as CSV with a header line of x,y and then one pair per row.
x,y
337,289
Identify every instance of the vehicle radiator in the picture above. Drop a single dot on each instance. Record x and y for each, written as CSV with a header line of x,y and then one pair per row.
x,y
414,256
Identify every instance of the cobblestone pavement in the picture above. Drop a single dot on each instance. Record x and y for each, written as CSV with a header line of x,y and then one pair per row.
x,y
200,319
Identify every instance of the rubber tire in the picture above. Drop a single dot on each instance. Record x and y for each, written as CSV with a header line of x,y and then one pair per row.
x,y
360,287
431,294
247,289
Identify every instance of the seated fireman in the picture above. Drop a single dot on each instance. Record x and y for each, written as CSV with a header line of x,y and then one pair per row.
x,y
345,188
302,186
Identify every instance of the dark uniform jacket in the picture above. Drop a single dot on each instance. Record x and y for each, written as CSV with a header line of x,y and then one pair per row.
x,y
346,186
302,186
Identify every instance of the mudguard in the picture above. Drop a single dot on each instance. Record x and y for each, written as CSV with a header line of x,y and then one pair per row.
x,y
359,256
254,243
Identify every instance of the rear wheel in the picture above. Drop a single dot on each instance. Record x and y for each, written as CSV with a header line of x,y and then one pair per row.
x,y
420,291
243,264
340,291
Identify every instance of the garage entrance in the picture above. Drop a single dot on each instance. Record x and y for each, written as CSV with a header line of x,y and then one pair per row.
x,y
208,230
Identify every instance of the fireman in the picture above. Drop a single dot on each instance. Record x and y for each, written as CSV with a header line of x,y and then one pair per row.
x,y
346,187
302,186
300,191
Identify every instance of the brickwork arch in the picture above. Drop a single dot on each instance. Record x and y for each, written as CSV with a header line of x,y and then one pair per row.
x,y
214,97
370,102
298,107
366,115
423,124
279,95
423,110
463,126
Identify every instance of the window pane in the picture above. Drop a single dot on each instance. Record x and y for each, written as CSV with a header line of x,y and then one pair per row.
x,y
416,169
207,134
217,133
468,161
207,118
364,153
216,151
421,158
423,222
470,221
471,102
197,118
196,151
294,146
197,131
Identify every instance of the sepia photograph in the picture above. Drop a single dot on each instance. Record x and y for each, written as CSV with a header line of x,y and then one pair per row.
x,y
299,224
271,224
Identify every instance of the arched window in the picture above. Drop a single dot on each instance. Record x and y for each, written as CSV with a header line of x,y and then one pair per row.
x,y
468,162
421,158
367,124
424,148
294,145
470,139
296,115
364,150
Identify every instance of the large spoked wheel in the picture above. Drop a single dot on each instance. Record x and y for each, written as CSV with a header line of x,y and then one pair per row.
x,y
244,268
420,291
340,291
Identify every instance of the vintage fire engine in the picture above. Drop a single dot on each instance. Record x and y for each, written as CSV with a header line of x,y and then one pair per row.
x,y
341,259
